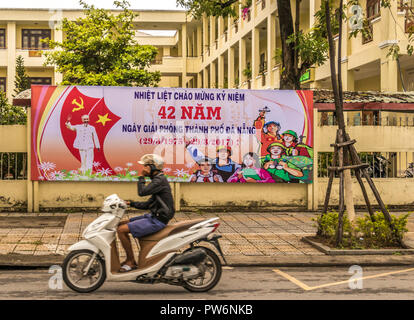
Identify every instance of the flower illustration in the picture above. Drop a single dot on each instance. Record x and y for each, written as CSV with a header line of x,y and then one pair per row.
x,y
96,164
46,166
180,172
74,172
57,175
41,178
133,173
105,172
118,169
167,170
129,164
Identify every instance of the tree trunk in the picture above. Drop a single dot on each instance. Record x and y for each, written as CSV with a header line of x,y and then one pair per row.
x,y
337,91
338,105
288,77
297,21
349,198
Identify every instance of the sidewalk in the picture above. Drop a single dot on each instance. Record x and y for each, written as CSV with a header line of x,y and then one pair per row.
x,y
248,239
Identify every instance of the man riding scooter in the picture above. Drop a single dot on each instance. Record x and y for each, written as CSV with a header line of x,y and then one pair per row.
x,y
160,204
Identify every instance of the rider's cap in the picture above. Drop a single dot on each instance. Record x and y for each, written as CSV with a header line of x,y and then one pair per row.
x,y
153,159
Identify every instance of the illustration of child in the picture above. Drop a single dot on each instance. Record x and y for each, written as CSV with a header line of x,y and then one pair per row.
x,y
205,172
293,147
276,164
250,171
266,132
223,163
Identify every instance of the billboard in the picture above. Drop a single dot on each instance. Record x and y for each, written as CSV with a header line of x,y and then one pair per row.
x,y
85,133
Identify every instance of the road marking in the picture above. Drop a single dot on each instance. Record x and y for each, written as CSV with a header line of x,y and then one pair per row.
x,y
293,279
227,268
307,288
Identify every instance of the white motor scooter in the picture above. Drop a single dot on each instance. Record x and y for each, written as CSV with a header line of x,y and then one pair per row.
x,y
95,259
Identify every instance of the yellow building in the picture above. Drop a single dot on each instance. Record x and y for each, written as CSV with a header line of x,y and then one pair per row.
x,y
22,29
215,53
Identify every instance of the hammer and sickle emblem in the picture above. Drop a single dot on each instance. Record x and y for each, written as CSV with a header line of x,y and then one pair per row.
x,y
80,105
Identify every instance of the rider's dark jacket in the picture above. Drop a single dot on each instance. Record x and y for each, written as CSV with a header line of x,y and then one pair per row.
x,y
163,210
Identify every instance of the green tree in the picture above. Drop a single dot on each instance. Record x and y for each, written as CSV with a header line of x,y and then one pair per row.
x,y
11,114
22,80
300,50
100,49
330,14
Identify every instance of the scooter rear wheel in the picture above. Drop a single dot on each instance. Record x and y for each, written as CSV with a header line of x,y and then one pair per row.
x,y
72,270
213,271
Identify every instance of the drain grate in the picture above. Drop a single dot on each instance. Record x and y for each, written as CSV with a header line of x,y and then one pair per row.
x,y
33,222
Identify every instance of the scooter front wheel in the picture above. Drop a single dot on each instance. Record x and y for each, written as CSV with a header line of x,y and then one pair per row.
x,y
73,271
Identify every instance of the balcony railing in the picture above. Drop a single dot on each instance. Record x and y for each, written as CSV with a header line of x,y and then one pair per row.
x,y
208,50
367,34
236,24
354,121
263,67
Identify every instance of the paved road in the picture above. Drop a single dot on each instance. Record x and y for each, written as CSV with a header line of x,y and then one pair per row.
x,y
245,283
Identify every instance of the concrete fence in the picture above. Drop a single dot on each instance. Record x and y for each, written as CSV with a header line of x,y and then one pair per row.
x,y
37,195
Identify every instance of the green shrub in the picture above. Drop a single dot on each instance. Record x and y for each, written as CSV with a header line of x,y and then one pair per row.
x,y
379,233
10,114
329,222
365,233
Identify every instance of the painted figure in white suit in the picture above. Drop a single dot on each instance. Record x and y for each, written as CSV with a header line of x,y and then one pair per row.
x,y
86,140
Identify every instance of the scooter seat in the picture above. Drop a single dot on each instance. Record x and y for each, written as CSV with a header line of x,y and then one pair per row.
x,y
171,229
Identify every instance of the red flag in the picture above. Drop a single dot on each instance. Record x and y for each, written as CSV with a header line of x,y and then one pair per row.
x,y
75,106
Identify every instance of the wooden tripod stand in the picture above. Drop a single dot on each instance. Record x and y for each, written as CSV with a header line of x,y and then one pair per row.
x,y
346,157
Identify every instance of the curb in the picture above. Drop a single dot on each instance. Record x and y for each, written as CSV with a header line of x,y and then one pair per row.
x,y
319,261
22,260
28,260
347,252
